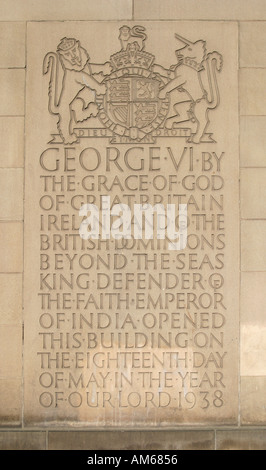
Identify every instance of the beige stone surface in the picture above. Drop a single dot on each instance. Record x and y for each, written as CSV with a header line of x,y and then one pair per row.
x,y
202,10
253,249
252,40
12,90
11,247
253,303
251,90
10,351
12,142
26,440
252,141
11,183
12,44
253,401
40,127
80,314
241,440
11,406
253,349
131,440
244,397
253,193
15,10
10,298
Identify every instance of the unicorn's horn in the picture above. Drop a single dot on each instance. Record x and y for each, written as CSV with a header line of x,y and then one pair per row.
x,y
185,41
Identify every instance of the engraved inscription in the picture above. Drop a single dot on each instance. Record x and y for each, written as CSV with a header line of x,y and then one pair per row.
x,y
125,320
131,327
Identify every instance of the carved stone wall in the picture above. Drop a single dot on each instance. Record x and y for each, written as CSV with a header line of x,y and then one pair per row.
x,y
132,215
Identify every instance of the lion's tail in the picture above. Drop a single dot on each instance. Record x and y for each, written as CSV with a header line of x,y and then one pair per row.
x,y
139,32
50,63
214,63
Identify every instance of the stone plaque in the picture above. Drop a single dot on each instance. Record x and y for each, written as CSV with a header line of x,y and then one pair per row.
x,y
131,224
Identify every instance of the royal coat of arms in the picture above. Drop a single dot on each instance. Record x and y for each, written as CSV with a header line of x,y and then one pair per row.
x,y
133,98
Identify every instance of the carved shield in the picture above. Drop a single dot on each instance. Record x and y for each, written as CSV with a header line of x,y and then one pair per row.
x,y
131,106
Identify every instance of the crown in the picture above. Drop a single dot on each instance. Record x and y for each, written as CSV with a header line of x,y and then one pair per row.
x,y
66,44
132,57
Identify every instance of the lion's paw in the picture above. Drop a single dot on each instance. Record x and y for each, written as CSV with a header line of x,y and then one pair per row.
x,y
71,139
